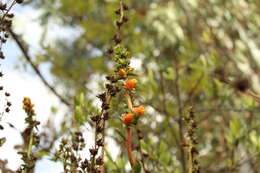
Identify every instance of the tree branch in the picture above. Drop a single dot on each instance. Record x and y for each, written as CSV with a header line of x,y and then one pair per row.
x,y
35,68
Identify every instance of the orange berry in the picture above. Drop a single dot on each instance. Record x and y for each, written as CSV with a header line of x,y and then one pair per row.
x,y
130,84
139,110
128,118
122,72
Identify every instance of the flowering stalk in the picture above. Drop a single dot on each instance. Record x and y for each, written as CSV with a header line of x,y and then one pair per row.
x,y
121,57
30,137
100,123
191,143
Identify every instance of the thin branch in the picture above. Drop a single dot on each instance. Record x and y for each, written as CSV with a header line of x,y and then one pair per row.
x,y
139,135
35,68
229,109
178,96
246,91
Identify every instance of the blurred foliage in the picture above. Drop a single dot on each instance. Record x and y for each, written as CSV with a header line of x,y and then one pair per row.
x,y
179,44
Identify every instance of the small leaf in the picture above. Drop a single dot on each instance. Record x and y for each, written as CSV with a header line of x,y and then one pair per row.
x,y
165,158
81,98
41,154
119,132
2,141
235,128
162,147
78,115
144,146
253,137
136,168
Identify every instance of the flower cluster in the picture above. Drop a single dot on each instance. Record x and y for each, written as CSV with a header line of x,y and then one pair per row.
x,y
30,137
130,84
133,116
124,71
28,106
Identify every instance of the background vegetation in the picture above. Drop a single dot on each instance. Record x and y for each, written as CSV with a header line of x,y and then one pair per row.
x,y
200,53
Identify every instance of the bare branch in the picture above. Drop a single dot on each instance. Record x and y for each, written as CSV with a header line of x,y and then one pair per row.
x,y
35,68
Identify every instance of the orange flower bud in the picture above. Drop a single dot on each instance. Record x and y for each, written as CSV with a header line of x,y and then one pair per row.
x,y
122,72
128,118
130,84
139,110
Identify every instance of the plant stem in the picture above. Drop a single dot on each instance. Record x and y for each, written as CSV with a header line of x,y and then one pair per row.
x,y
129,102
178,96
138,131
30,145
129,132
129,146
190,159
29,149
102,167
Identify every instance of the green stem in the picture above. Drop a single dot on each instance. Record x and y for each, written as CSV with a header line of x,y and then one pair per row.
x,y
140,149
190,159
129,102
29,149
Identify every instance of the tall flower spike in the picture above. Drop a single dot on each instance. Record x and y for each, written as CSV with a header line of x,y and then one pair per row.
x,y
192,142
30,138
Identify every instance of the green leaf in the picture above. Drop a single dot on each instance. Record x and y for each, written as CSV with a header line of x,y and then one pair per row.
x,y
136,168
162,147
120,162
78,115
235,127
81,98
169,74
254,138
2,141
119,132
41,154
165,158
144,146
